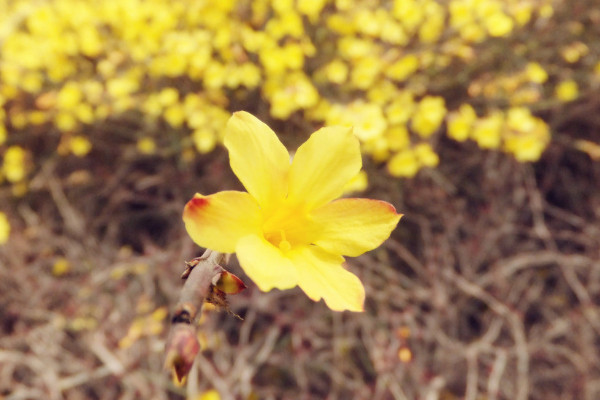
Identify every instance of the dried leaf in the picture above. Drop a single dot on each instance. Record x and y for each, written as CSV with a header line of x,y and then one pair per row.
x,y
218,298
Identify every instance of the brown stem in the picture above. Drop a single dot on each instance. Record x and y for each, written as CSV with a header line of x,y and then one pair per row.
x,y
197,286
182,344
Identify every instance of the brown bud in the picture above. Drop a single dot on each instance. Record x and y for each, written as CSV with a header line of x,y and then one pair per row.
x,y
182,348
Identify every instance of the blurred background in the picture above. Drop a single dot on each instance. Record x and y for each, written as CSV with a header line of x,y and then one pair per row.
x,y
478,119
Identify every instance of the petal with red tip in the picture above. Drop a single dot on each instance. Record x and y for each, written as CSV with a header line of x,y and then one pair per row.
x,y
218,221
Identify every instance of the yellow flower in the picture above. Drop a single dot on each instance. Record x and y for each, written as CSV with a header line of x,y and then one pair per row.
x,y
404,163
403,68
461,122
487,131
69,96
204,140
499,24
287,230
567,90
311,8
429,115
80,146
61,266
410,13
366,118
433,25
14,165
365,72
336,71
398,137
426,156
294,93
536,73
146,145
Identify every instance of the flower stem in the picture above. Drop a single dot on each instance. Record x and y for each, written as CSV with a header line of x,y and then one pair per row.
x,y
182,343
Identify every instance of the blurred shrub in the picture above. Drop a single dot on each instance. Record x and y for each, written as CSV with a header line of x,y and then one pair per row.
x,y
401,72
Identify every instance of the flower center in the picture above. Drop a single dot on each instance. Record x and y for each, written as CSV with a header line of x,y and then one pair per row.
x,y
279,239
289,226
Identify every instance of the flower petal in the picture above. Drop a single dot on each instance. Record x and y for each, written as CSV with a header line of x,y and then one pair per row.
x,y
265,264
321,275
323,165
218,221
257,157
353,226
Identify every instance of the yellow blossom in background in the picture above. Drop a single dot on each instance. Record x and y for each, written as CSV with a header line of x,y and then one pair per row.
x,y
365,72
4,228
432,27
69,96
410,13
536,73
311,8
336,71
175,115
426,156
428,116
288,229
487,131
14,164
473,32
573,52
167,97
61,266
522,12
80,146
567,91
146,145
65,121
460,13
397,137
527,136
404,164
527,147
401,108
461,122
403,68
520,119
204,140
69,65
378,148
209,395
499,24
295,92
367,119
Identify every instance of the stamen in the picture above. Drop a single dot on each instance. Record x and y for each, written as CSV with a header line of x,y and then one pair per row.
x,y
284,245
